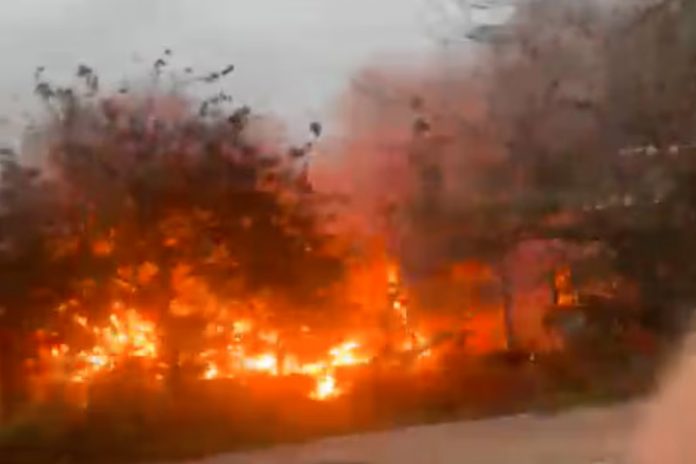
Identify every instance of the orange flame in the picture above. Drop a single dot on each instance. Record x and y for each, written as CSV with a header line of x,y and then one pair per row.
x,y
325,388
127,335
238,346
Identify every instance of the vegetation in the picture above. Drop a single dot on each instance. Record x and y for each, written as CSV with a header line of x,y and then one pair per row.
x,y
592,151
139,193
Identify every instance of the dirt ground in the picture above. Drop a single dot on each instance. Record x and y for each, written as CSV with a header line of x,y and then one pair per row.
x,y
584,436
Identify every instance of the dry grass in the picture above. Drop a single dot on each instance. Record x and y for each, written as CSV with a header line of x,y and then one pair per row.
x,y
207,418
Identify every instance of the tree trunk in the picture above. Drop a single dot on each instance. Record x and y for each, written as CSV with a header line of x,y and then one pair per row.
x,y
508,306
171,346
170,324
12,375
555,291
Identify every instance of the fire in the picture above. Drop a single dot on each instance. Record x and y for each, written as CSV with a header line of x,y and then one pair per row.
x,y
241,327
211,372
267,363
344,354
325,388
127,336
322,370
244,346
239,330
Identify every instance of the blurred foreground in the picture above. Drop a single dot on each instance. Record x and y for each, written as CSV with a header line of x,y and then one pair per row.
x,y
584,436
658,431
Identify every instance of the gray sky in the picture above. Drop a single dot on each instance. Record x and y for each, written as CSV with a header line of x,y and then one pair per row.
x,y
293,56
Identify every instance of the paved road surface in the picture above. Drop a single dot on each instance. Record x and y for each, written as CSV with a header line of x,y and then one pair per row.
x,y
589,436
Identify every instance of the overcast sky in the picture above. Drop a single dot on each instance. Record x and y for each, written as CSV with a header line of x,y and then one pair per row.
x,y
292,56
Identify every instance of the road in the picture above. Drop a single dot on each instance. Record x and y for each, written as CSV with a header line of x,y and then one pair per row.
x,y
583,436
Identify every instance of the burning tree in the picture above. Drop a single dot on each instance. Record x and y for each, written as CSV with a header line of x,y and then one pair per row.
x,y
146,203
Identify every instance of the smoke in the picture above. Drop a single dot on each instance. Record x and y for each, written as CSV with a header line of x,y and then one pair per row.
x,y
535,114
450,157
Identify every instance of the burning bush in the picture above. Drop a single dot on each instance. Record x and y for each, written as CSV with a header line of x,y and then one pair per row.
x,y
150,230
162,239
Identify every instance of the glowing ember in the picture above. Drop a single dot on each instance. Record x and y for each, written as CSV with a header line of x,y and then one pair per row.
x,y
343,355
211,372
313,369
241,327
325,388
80,320
267,363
